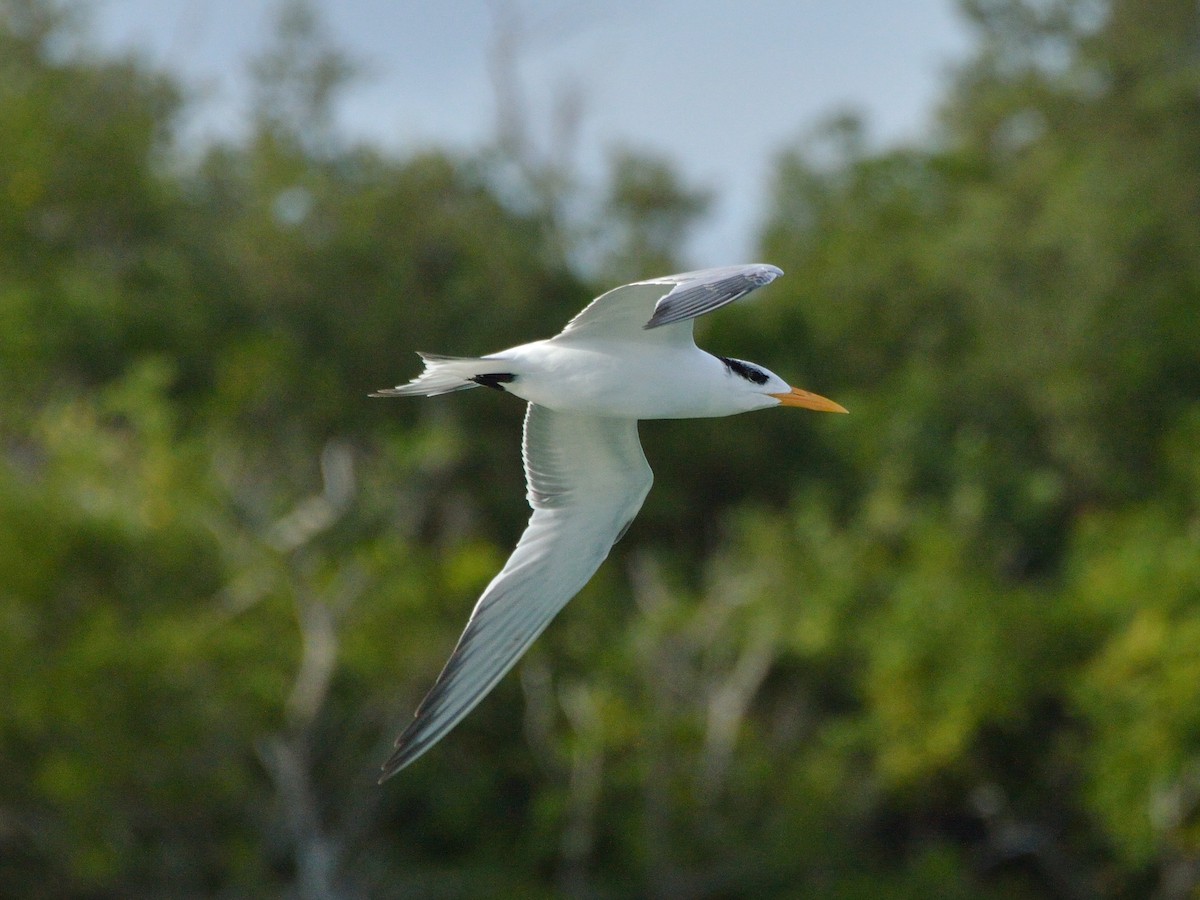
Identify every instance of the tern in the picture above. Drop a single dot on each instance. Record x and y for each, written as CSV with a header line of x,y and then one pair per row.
x,y
628,355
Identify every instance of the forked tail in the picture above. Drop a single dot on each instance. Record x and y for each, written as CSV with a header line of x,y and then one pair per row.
x,y
444,374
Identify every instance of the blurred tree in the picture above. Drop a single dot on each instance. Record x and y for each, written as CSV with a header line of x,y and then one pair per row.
x,y
297,81
1018,306
85,205
944,648
649,212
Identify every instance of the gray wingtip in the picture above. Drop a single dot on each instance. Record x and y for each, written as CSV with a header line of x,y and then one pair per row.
x,y
411,744
762,273
672,307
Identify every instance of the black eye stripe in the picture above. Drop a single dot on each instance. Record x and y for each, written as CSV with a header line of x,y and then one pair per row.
x,y
744,370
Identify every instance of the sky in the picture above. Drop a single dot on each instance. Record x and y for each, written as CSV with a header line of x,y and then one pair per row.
x,y
717,87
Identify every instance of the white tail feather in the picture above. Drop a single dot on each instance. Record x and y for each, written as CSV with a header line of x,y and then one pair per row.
x,y
444,374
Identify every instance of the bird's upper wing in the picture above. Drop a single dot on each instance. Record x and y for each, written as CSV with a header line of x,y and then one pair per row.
x,y
637,310
587,478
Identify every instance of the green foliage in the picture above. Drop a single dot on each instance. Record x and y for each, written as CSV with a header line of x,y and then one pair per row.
x,y
945,646
651,212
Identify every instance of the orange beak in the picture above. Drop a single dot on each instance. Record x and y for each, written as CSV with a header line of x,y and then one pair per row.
x,y
807,400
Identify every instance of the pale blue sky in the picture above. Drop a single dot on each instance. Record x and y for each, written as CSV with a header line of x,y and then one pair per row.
x,y
719,87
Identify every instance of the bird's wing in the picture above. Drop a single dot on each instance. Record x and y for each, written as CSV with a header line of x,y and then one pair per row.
x,y
638,310
587,478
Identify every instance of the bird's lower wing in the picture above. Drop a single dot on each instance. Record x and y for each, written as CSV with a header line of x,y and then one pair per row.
x,y
587,478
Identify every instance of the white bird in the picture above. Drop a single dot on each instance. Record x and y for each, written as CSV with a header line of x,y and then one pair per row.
x,y
628,355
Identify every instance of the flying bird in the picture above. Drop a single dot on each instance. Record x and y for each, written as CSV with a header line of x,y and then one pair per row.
x,y
628,355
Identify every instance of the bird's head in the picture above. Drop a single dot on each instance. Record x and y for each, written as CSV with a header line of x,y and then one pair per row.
x,y
763,388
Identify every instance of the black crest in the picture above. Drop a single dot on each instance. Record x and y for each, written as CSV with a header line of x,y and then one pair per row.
x,y
744,370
